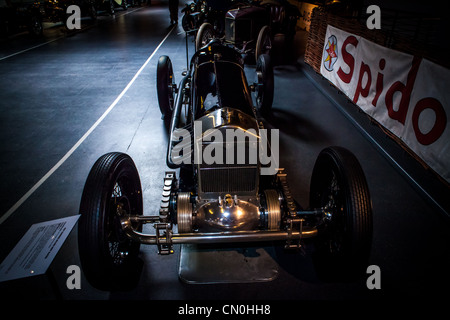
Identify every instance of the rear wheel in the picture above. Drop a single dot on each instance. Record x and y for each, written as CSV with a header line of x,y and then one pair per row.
x,y
112,190
265,84
343,244
165,82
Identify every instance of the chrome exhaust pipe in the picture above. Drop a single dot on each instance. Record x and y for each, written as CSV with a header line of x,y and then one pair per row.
x,y
215,237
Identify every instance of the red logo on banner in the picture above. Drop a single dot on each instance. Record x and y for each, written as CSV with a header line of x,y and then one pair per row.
x,y
331,56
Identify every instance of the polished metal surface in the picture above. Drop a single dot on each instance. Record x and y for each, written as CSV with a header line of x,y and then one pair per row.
x,y
200,264
218,237
228,214
273,209
228,117
184,212
236,169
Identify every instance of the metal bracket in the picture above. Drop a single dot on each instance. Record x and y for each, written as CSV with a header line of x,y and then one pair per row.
x,y
164,239
294,243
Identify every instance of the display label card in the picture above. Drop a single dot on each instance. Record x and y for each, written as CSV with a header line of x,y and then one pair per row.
x,y
34,253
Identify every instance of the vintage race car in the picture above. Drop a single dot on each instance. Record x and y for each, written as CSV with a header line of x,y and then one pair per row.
x,y
222,193
250,26
246,28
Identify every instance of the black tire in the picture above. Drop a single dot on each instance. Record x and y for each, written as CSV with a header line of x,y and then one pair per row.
x,y
263,43
165,84
109,259
187,22
265,84
204,35
343,244
35,27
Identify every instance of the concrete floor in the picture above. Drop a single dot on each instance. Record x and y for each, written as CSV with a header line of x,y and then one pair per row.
x,y
52,94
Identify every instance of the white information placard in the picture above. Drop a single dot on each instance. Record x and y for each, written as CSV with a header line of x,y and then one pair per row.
x,y
34,253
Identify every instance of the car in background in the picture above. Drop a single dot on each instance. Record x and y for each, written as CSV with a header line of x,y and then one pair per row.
x,y
110,6
250,26
19,15
56,10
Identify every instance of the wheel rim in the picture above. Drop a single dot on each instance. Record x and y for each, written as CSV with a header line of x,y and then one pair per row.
x,y
260,88
206,37
187,23
338,187
266,44
332,200
264,80
119,246
171,85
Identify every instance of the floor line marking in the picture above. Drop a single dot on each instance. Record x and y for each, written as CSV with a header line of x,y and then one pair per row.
x,y
84,137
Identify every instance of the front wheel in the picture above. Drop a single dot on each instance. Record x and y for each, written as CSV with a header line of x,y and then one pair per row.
x,y
338,186
264,42
112,190
204,35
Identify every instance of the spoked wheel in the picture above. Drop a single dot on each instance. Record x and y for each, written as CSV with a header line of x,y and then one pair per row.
x,y
343,244
265,84
112,190
204,35
165,82
187,22
263,43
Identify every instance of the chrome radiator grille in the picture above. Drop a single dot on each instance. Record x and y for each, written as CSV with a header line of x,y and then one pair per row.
x,y
237,175
229,179
227,159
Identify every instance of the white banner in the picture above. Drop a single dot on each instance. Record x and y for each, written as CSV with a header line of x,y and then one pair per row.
x,y
409,96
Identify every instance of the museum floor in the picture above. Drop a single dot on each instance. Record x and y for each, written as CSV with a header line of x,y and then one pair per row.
x,y
55,90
